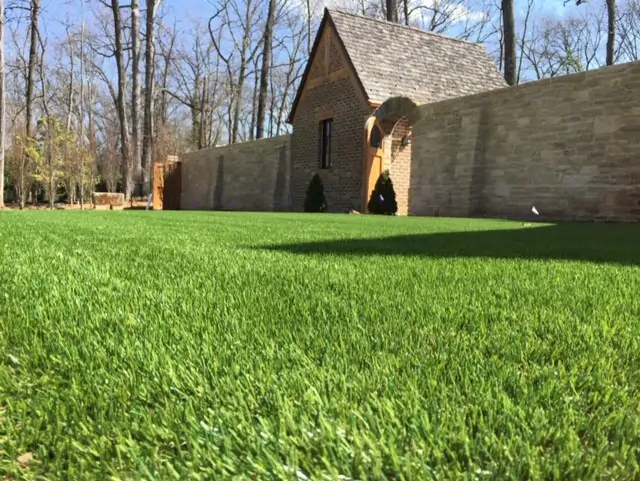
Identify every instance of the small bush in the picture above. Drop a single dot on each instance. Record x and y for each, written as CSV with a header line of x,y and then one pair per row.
x,y
383,197
315,200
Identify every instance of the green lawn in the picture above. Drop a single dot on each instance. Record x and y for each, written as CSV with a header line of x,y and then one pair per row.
x,y
157,345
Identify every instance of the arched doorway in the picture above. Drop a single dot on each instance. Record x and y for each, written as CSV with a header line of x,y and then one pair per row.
x,y
392,121
374,158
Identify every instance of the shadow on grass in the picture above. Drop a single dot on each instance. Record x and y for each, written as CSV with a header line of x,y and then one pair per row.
x,y
599,243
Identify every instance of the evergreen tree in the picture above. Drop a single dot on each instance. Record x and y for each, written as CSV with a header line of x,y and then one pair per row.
x,y
315,200
383,197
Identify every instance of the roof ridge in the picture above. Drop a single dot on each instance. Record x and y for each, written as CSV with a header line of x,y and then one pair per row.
x,y
404,27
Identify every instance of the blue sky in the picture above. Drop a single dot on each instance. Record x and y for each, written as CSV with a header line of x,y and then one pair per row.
x,y
56,11
185,12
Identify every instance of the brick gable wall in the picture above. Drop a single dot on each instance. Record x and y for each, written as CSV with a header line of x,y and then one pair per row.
x,y
331,91
343,181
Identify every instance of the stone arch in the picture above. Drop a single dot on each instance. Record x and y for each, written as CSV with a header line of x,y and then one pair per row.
x,y
397,115
397,108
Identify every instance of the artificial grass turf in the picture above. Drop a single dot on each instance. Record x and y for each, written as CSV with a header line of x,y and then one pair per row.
x,y
159,345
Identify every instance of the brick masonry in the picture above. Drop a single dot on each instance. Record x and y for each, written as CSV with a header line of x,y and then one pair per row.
x,y
331,93
399,163
568,145
343,181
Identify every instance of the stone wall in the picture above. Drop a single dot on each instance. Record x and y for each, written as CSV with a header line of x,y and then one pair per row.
x,y
568,145
249,176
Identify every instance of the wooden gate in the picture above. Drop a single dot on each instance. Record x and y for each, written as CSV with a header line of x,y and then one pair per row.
x,y
167,185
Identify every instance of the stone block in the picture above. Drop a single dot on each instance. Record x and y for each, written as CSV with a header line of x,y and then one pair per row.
x,y
108,199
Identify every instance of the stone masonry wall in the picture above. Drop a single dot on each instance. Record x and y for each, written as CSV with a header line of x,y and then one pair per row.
x,y
568,145
250,176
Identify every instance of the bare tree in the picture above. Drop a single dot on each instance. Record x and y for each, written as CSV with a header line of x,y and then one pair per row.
x,y
147,138
25,158
33,58
81,137
392,11
522,38
508,21
611,28
266,66
121,103
288,73
135,91
245,47
167,52
191,87
629,31
2,104
555,47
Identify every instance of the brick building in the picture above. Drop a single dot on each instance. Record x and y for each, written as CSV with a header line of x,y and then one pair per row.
x,y
436,112
356,64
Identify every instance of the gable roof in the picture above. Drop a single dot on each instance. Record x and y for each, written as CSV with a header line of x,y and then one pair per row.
x,y
392,60
395,60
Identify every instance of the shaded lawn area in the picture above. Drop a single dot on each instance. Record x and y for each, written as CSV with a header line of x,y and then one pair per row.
x,y
610,243
284,346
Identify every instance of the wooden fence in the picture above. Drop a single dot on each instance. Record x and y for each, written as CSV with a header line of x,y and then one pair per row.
x,y
167,184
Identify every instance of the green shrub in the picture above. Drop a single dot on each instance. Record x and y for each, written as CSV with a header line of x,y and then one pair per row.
x,y
315,200
383,197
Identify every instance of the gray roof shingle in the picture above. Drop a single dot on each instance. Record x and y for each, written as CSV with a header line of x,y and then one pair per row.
x,y
394,60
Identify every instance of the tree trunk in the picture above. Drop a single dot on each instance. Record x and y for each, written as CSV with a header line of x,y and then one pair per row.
x,y
51,135
92,130
196,98
238,104
147,138
122,115
2,104
35,11
509,42
392,11
266,66
309,39
203,112
254,103
81,112
611,30
135,92
71,80
51,153
405,4
72,170
245,58
168,59
33,58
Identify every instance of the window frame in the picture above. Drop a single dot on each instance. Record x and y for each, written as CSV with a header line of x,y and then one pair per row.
x,y
326,135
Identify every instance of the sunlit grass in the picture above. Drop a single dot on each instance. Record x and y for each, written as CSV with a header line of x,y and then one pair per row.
x,y
151,345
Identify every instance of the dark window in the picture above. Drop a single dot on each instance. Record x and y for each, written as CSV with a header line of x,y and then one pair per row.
x,y
375,140
325,143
